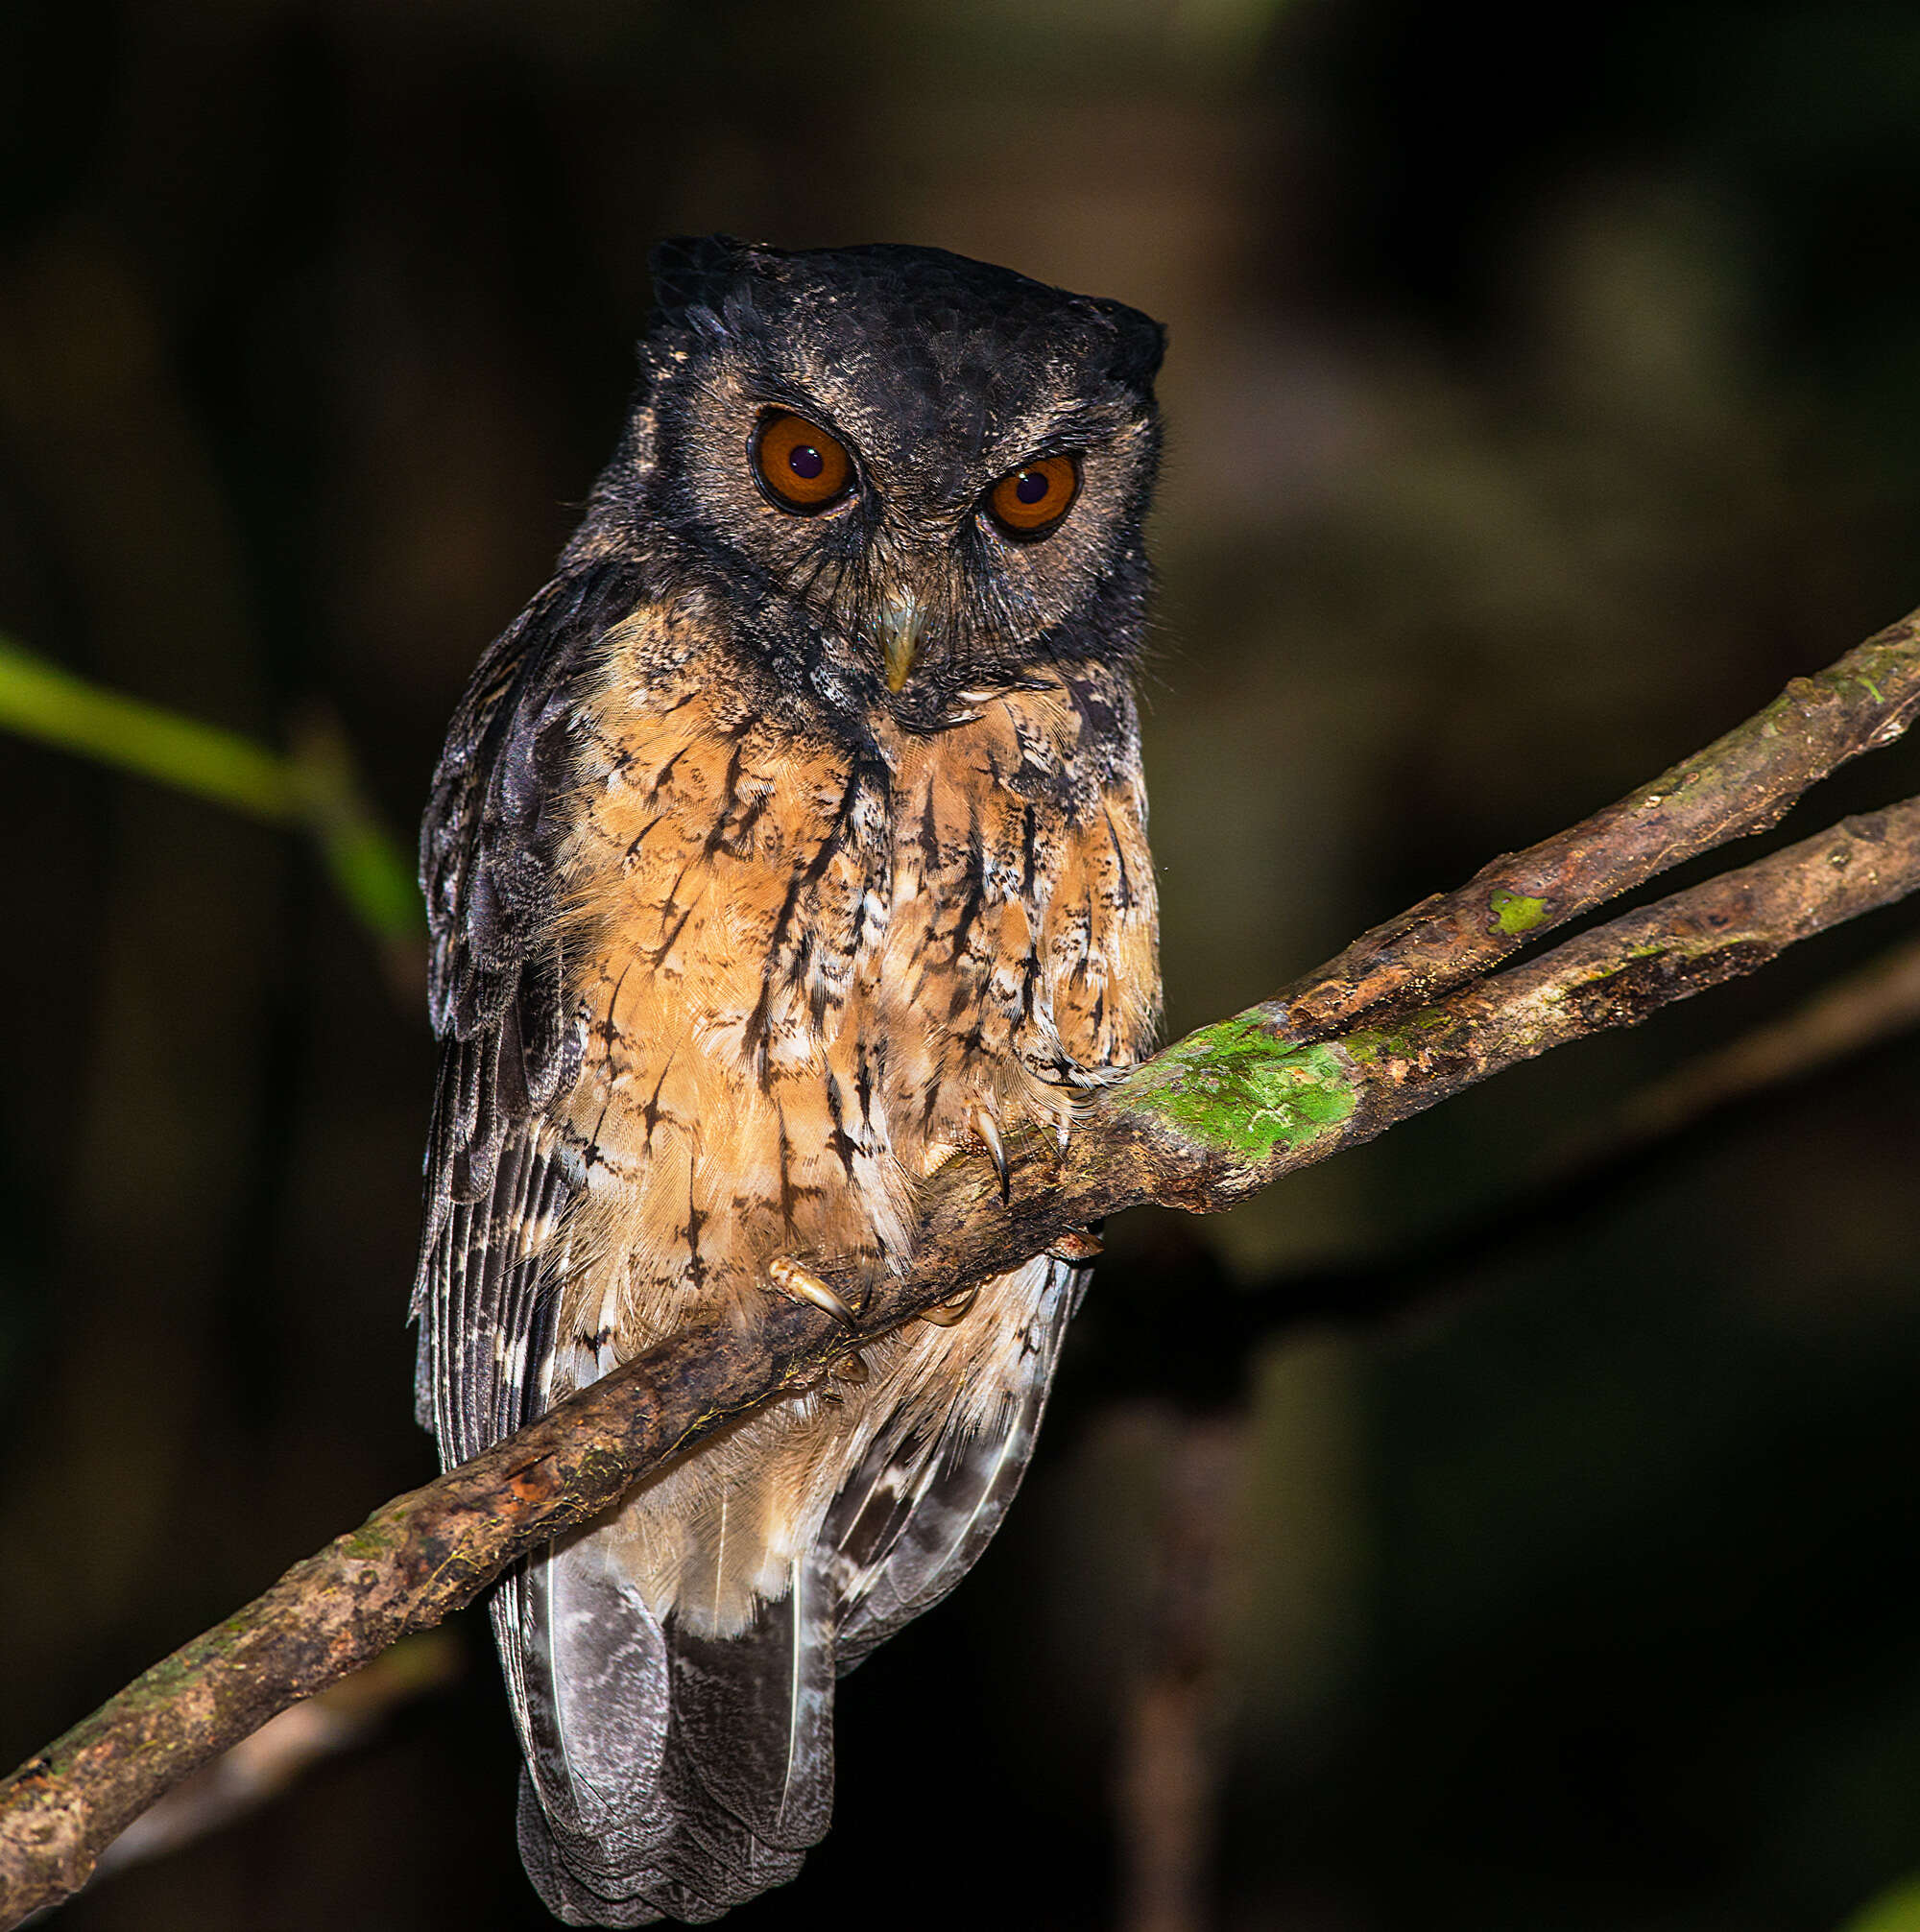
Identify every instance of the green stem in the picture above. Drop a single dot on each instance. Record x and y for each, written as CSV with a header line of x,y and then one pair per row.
x,y
314,792
43,701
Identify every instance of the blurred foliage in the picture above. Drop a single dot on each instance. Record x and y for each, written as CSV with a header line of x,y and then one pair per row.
x,y
1537,405
312,792
1894,1911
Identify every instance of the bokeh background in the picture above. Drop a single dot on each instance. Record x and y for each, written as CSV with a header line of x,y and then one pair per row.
x,y
1411,1549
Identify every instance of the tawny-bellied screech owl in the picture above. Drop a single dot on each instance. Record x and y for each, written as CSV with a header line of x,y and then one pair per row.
x,y
790,841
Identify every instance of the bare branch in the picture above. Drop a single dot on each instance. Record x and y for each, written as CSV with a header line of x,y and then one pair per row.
x,y
1741,783
1881,999
261,1766
1222,1114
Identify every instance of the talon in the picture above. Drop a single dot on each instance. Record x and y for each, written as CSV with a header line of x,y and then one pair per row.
x,y
989,1131
1077,1244
791,1279
850,1367
943,1314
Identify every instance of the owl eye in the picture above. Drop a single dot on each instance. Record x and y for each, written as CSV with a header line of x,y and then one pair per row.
x,y
1031,500
801,467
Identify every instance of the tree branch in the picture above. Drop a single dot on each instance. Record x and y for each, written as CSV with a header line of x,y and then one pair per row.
x,y
1222,1114
1743,782
1874,1003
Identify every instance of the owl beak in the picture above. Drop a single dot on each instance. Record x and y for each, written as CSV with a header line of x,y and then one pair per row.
x,y
901,626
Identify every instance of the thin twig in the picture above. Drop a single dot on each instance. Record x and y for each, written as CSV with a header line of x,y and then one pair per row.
x,y
1741,783
1873,1004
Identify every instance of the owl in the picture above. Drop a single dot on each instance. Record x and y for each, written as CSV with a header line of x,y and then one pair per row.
x,y
790,843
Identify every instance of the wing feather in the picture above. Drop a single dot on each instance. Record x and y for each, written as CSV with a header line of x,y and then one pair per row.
x,y
499,1172
917,1512
665,1775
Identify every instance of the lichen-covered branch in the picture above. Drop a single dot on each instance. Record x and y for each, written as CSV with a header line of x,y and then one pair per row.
x,y
1222,1113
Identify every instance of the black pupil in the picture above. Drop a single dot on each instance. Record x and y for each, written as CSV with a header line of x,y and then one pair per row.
x,y
1030,486
807,462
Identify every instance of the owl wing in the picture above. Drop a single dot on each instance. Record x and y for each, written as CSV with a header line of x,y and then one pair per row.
x,y
648,1753
917,1512
499,1171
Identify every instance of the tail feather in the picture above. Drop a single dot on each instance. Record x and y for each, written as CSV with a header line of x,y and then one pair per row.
x,y
669,1775
583,1881
705,1864
673,1774
753,1714
593,1669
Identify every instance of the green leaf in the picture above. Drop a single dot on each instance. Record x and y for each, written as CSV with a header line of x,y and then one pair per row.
x,y
40,700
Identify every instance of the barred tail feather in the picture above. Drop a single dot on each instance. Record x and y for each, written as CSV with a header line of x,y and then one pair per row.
x,y
592,1697
669,1775
676,1775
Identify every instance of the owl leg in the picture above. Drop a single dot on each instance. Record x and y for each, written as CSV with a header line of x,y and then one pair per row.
x,y
802,1285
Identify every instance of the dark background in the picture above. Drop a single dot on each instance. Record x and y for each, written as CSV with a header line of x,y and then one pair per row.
x,y
1540,400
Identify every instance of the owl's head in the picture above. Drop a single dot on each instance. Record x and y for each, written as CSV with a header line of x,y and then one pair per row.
x,y
914,476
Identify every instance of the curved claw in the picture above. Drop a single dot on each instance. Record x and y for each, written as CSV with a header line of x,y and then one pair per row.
x,y
943,1314
987,1129
792,1279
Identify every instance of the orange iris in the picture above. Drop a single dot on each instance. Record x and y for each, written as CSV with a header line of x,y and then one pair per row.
x,y
1030,500
803,466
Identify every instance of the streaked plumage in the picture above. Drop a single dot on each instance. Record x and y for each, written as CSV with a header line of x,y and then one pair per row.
x,y
777,853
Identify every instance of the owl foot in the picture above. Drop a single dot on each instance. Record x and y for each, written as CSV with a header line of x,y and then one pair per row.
x,y
793,1281
943,1314
1077,1244
987,1129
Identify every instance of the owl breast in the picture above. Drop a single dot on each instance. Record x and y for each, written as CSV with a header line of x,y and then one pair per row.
x,y
808,967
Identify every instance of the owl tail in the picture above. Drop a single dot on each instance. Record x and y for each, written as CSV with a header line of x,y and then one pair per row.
x,y
668,1776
